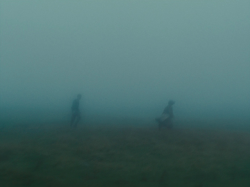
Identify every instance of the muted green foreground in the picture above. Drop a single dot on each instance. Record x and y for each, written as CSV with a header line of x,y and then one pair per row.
x,y
55,155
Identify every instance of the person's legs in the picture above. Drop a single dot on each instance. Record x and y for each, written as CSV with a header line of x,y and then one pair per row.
x,y
78,117
158,120
166,123
169,124
73,117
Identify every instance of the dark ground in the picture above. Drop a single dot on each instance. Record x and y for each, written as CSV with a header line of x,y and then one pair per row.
x,y
119,153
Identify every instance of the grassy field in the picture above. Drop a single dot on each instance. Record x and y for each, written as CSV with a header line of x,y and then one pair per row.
x,y
122,155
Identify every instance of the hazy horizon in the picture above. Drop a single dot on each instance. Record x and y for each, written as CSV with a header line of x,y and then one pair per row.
x,y
126,56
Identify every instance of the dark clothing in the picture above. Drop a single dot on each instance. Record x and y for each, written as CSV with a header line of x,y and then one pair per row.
x,y
76,116
75,105
167,122
169,110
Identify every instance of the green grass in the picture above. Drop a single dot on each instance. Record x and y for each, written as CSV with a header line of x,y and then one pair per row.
x,y
126,156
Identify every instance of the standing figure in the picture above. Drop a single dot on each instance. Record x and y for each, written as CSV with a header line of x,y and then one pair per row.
x,y
76,115
166,119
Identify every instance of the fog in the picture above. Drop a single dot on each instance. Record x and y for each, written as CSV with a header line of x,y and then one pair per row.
x,y
126,57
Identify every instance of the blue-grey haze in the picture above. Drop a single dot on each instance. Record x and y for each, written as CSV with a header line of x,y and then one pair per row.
x,y
131,55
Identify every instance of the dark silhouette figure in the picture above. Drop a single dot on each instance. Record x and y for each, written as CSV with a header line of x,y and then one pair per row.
x,y
76,115
166,119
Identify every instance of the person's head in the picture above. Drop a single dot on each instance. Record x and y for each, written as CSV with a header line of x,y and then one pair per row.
x,y
171,102
79,96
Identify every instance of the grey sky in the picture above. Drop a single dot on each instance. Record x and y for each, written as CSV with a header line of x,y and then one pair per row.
x,y
125,53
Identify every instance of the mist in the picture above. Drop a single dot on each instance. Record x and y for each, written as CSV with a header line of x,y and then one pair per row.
x,y
124,93
127,58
